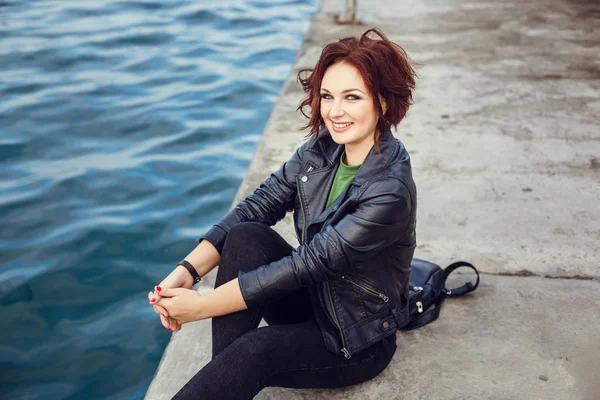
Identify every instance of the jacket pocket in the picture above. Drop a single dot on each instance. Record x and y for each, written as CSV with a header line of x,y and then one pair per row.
x,y
365,289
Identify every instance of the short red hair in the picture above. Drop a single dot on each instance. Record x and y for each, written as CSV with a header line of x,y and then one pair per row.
x,y
385,68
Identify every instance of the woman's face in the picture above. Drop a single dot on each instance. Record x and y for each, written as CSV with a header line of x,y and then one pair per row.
x,y
347,108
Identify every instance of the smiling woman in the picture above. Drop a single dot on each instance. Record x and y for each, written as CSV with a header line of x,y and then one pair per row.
x,y
334,303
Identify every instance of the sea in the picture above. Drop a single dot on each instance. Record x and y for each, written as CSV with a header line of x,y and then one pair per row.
x,y
126,128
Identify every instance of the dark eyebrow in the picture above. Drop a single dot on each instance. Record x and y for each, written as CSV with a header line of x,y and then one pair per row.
x,y
345,91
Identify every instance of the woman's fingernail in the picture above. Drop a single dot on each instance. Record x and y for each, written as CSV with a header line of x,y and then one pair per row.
x,y
152,300
158,288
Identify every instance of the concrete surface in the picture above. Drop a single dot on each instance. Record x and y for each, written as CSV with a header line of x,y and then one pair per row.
x,y
505,143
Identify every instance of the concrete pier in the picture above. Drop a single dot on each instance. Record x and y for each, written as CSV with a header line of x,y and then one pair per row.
x,y
505,143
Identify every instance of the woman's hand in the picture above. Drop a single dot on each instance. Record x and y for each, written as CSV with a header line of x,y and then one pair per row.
x,y
204,258
184,305
179,278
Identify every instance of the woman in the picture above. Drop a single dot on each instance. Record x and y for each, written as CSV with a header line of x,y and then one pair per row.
x,y
334,303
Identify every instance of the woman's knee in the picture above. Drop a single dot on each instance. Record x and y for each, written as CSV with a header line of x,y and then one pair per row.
x,y
246,232
252,239
245,240
246,247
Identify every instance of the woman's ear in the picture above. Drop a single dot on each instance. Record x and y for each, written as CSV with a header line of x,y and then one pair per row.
x,y
383,104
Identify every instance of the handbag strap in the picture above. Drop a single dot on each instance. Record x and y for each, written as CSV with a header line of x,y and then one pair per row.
x,y
467,287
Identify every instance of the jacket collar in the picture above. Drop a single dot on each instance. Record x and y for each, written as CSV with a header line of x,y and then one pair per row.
x,y
374,163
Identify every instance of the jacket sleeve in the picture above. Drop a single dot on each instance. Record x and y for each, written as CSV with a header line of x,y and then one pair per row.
x,y
382,217
268,204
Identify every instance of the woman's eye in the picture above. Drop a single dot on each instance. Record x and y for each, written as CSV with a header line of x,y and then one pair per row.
x,y
349,97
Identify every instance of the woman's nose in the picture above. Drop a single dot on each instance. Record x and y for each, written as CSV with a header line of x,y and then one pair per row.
x,y
336,111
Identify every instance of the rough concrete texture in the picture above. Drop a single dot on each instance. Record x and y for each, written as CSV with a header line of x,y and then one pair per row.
x,y
505,143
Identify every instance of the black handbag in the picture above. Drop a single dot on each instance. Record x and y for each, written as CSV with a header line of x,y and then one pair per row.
x,y
427,284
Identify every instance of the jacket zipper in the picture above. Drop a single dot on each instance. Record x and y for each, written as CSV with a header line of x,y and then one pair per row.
x,y
366,289
337,323
310,168
305,220
304,227
329,297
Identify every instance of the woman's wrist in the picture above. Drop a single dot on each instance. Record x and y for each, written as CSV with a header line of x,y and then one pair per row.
x,y
202,308
185,274
204,257
191,269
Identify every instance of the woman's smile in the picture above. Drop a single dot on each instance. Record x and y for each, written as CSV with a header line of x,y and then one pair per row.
x,y
341,127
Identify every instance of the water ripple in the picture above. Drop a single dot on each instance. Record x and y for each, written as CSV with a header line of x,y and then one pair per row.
x,y
126,128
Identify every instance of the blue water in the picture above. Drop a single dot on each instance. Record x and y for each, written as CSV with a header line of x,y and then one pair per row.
x,y
126,128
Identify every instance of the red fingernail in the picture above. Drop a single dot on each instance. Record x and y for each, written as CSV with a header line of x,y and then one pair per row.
x,y
169,328
152,301
158,288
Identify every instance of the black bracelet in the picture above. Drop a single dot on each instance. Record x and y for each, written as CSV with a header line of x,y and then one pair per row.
x,y
191,269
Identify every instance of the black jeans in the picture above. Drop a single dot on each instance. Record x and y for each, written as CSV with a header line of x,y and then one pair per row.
x,y
290,351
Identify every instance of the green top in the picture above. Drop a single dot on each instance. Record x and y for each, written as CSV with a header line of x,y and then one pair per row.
x,y
343,177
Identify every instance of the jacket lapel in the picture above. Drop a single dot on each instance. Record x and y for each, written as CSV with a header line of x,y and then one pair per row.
x,y
314,189
377,161
315,185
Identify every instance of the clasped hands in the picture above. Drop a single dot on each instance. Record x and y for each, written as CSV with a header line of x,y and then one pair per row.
x,y
174,300
177,304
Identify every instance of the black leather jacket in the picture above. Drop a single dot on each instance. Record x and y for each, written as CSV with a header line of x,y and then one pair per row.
x,y
354,255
